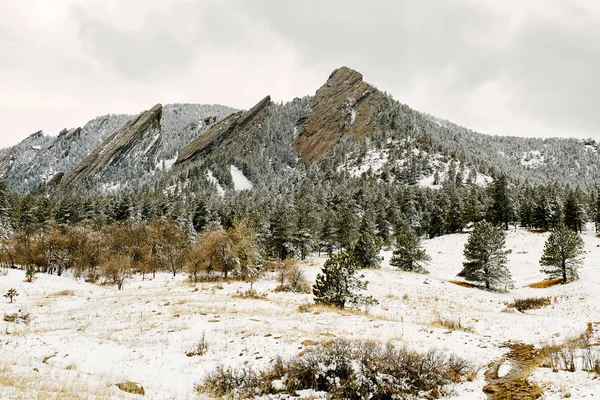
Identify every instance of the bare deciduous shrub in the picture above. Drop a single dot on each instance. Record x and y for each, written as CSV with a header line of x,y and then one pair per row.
x,y
531,303
451,324
291,277
200,349
250,293
578,352
348,370
18,317
305,308
116,269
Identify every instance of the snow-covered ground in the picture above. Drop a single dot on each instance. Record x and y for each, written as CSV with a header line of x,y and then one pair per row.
x,y
84,338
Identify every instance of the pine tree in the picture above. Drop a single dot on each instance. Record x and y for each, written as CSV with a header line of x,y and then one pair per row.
x,y
408,254
346,224
338,285
453,221
367,247
526,207
486,257
596,209
562,254
436,225
573,212
501,211
541,212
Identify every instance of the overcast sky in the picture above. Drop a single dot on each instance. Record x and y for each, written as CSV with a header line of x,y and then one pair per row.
x,y
518,67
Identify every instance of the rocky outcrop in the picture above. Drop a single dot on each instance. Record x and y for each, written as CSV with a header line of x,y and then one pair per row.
x,y
345,106
141,134
224,131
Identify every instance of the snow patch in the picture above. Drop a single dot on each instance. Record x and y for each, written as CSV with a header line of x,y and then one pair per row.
x,y
211,178
532,159
240,182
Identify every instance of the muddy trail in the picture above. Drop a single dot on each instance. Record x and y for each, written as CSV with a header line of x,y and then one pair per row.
x,y
523,359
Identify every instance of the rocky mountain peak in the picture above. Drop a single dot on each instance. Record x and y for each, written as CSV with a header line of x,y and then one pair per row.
x,y
344,106
232,126
140,134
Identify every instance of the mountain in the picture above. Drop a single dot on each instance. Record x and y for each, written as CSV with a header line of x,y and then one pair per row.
x,y
344,107
139,135
41,159
348,126
226,130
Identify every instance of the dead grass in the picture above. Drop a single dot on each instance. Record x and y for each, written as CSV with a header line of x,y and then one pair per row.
x,y
63,293
545,284
464,284
451,324
531,303
24,382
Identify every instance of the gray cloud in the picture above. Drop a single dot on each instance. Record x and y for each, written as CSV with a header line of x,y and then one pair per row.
x,y
498,67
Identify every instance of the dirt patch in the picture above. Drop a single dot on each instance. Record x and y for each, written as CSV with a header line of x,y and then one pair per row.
x,y
515,385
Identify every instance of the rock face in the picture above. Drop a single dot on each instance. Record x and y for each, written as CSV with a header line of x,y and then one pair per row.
x,y
344,106
224,131
141,134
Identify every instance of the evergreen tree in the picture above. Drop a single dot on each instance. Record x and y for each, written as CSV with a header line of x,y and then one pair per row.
x,y
367,247
562,254
347,224
408,254
436,225
201,215
541,212
328,237
501,211
282,230
472,211
486,257
597,212
526,208
556,215
338,285
573,212
453,221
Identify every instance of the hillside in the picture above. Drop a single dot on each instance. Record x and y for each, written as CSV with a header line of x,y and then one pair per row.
x,y
84,338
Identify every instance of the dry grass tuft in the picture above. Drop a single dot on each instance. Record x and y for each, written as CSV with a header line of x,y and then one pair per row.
x,y
545,284
63,293
531,303
451,325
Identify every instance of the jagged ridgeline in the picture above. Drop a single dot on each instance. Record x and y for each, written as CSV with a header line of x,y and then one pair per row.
x,y
136,151
347,127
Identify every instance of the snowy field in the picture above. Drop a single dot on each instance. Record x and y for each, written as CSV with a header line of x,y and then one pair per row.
x,y
85,338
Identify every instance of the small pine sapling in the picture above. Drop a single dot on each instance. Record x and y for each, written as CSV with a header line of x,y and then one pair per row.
x,y
11,294
337,284
408,254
